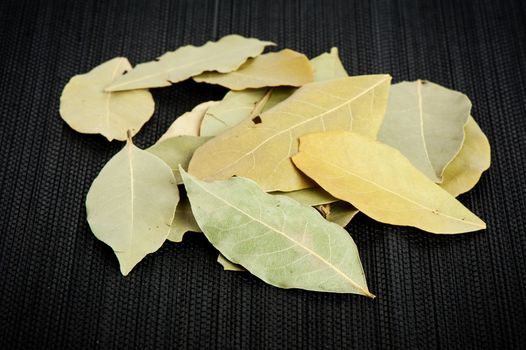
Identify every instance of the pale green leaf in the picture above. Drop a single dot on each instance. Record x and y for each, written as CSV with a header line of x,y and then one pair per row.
x,y
277,239
283,68
183,221
88,109
260,148
223,56
380,182
425,122
176,151
131,204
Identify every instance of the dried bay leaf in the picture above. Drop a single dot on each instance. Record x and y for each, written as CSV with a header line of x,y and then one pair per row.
x,y
190,122
178,150
260,149
131,204
228,265
237,106
328,66
223,56
339,212
464,171
425,122
277,239
88,109
380,182
283,68
183,221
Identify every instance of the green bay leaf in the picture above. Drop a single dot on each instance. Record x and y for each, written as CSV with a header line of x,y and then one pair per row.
x,y
131,204
425,122
279,240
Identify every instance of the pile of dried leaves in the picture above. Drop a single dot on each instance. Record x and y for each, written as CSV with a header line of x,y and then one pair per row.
x,y
275,170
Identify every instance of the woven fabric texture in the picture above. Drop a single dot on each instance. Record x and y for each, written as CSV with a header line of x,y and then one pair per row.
x,y
61,288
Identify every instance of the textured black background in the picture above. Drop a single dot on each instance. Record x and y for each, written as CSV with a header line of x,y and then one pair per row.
x,y
61,288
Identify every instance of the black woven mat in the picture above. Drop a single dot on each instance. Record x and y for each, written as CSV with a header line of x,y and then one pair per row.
x,y
61,288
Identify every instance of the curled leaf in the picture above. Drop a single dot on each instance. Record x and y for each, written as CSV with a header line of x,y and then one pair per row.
x,y
463,173
88,109
223,56
277,239
131,204
380,182
425,122
283,68
261,149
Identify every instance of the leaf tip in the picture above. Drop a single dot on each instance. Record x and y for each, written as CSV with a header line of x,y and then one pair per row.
x,y
125,270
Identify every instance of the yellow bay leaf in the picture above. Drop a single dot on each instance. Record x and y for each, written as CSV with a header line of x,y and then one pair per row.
x,y
88,109
223,56
283,68
260,148
463,173
380,182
